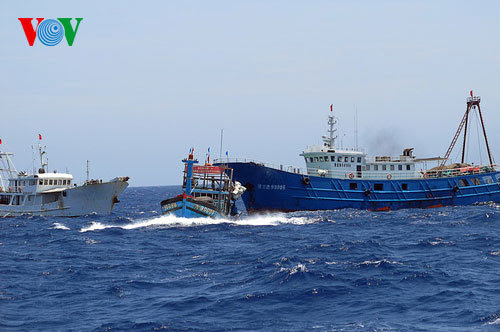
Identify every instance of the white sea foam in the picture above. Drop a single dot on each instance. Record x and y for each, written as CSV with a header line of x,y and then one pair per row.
x,y
494,322
297,268
172,221
57,225
377,263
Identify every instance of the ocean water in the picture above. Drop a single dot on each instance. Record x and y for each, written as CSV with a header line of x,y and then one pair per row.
x,y
348,270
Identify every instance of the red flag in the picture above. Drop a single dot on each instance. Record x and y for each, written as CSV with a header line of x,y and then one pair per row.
x,y
0,141
331,107
471,93
40,137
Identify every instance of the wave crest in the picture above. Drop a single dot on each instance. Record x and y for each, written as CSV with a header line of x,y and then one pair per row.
x,y
173,221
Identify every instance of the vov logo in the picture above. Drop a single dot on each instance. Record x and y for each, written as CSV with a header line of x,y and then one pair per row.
x,y
50,32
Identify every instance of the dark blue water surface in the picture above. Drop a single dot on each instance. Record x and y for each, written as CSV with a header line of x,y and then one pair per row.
x,y
349,270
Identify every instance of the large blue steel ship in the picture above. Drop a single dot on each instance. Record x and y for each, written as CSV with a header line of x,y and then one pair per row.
x,y
337,178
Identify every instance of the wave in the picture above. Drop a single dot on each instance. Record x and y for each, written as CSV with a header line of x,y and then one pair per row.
x,y
57,225
173,221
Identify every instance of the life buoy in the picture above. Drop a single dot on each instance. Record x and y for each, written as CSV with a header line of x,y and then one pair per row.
x,y
389,176
351,176
426,176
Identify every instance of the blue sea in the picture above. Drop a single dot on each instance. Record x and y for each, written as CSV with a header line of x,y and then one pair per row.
x,y
347,270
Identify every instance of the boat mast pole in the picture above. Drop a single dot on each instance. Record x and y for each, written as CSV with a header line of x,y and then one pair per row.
x,y
465,130
88,173
485,137
221,137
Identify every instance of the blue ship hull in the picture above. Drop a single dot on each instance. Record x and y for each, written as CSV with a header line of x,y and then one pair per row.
x,y
269,189
185,206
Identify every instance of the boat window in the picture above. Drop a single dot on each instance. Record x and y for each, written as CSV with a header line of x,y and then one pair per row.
x,y
408,167
316,159
49,198
46,182
400,167
375,167
487,179
392,167
352,159
332,158
463,183
384,167
311,159
346,159
378,186
359,159
321,158
404,186
50,182
40,182
475,181
367,167
340,159
353,186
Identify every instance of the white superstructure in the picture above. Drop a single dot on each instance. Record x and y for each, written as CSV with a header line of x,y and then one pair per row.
x,y
329,161
53,194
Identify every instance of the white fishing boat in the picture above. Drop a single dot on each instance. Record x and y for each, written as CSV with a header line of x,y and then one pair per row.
x,y
46,193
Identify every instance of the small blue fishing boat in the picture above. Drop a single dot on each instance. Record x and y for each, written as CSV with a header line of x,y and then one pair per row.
x,y
208,191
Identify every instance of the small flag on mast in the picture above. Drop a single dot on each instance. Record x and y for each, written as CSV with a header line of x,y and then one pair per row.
x,y
40,137
471,94
0,141
331,107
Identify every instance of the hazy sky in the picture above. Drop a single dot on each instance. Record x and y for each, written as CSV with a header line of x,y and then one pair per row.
x,y
146,80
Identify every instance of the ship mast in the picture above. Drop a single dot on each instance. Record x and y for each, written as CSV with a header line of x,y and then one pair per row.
x,y
332,121
472,103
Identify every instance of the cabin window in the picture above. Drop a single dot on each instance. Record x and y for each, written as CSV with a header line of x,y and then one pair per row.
x,y
316,159
69,182
49,198
367,167
352,159
346,159
463,183
400,167
404,186
45,182
375,167
332,158
311,159
339,159
378,186
475,181
487,179
392,167
353,186
32,182
40,182
359,159
408,167
50,182
320,158
384,167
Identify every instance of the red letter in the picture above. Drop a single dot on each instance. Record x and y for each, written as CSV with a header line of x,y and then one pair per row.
x,y
28,28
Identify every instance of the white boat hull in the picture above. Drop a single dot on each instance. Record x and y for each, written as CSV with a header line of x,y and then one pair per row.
x,y
98,198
